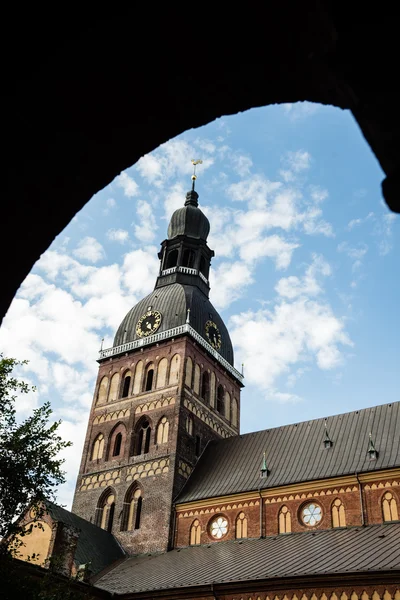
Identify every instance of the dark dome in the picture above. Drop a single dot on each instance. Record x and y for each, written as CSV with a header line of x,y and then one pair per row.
x,y
173,302
189,220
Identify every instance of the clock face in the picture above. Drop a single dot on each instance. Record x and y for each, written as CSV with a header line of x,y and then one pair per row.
x,y
148,323
213,335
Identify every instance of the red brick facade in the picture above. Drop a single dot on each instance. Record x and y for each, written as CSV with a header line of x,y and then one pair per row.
x,y
160,469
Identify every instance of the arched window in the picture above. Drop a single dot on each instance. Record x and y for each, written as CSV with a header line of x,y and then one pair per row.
x,y
116,441
105,510
203,266
189,371
98,447
162,431
174,369
234,412
220,400
138,377
172,259
241,526
188,259
113,393
338,514
389,507
196,384
102,391
189,425
162,373
284,520
142,438
195,532
126,385
132,510
205,387
228,406
117,444
212,389
148,383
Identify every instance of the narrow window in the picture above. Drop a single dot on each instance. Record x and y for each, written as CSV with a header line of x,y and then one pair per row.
x,y
102,391
389,507
105,511
110,517
220,400
205,387
189,425
198,442
117,444
203,266
142,438
188,259
195,532
241,526
138,512
172,259
338,514
284,520
126,386
149,380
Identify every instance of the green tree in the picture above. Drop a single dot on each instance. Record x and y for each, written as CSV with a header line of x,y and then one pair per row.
x,y
30,467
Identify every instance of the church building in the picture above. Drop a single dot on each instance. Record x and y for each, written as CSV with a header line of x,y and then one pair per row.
x,y
187,506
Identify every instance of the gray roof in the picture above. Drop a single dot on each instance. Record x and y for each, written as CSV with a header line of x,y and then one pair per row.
x,y
353,550
189,220
95,545
296,453
173,301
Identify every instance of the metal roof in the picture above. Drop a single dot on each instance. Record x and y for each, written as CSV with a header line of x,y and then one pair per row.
x,y
353,550
95,545
189,220
296,453
173,302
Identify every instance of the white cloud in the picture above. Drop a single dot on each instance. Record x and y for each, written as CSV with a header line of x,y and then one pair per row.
x,y
242,164
297,161
89,249
292,287
128,184
383,229
356,222
145,226
254,190
355,253
174,199
299,110
118,235
228,282
273,247
111,203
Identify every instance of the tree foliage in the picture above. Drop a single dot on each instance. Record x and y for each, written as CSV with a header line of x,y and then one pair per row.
x,y
30,467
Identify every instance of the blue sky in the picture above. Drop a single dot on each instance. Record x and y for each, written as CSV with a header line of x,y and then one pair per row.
x,y
305,272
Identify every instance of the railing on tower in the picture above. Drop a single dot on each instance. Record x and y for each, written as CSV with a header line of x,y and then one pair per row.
x,y
170,333
186,270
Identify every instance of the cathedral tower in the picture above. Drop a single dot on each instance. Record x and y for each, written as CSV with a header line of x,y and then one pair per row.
x,y
164,390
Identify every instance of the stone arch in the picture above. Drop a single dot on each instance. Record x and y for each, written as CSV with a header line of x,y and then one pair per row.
x,y
189,258
116,441
102,390
132,508
113,391
105,509
196,383
162,431
205,386
162,373
189,372
172,259
174,368
338,513
98,447
138,377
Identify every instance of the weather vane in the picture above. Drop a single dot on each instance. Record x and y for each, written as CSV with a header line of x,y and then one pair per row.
x,y
195,162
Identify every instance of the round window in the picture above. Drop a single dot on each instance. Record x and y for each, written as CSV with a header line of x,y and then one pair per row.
x,y
311,514
219,527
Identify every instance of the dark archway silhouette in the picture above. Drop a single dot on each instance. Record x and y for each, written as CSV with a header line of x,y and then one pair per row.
x,y
73,119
